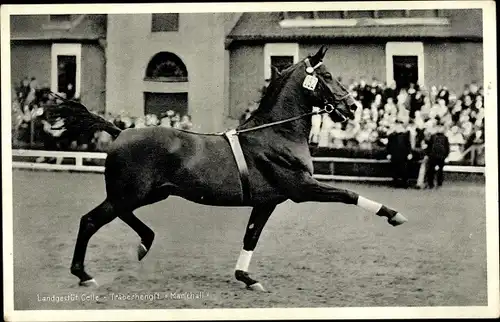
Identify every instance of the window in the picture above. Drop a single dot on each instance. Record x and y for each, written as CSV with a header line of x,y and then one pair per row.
x,y
160,103
360,14
300,15
405,70
391,14
280,55
165,22
59,18
281,62
66,69
166,67
405,63
330,14
423,13
351,18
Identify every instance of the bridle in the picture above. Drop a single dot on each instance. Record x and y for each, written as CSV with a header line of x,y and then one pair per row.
x,y
310,83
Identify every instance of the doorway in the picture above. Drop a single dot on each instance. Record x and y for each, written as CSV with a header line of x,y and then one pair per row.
x,y
160,103
405,70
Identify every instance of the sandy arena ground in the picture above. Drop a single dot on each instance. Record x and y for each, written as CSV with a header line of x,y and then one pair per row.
x,y
309,255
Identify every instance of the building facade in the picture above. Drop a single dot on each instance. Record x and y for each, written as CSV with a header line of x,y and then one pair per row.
x,y
428,47
63,52
213,65
160,62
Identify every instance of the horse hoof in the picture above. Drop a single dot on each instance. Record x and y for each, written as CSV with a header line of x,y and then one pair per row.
x,y
89,283
256,287
397,219
141,251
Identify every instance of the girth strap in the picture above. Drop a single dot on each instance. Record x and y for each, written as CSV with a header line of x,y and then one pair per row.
x,y
234,142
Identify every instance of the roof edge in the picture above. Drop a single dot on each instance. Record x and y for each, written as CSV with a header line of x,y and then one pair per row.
x,y
277,38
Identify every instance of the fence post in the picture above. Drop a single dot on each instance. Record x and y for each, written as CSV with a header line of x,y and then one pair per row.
x,y
32,132
332,168
78,161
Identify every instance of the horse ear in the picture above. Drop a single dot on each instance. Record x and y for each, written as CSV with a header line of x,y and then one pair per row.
x,y
320,54
275,73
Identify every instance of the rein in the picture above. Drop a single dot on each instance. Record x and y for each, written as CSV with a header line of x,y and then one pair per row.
x,y
327,109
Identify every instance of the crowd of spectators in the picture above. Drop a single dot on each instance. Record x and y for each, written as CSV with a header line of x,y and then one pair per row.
x,y
30,127
386,109
418,110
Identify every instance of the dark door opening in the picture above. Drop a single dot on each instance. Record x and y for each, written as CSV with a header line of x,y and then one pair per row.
x,y
160,103
66,75
281,62
405,70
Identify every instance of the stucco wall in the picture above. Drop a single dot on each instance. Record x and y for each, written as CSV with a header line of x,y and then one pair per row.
x,y
347,61
93,82
453,64
30,60
351,61
199,43
33,59
246,77
449,64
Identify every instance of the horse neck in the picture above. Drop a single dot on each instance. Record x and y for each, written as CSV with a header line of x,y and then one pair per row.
x,y
284,107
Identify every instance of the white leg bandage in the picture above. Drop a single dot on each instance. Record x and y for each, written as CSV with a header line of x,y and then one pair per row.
x,y
244,260
368,204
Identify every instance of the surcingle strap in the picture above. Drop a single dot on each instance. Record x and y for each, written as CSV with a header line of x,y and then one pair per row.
x,y
234,142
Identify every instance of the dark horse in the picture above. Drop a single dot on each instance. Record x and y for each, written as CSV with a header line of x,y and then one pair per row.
x,y
144,166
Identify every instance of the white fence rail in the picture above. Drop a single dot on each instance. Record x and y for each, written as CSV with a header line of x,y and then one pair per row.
x,y
60,155
79,165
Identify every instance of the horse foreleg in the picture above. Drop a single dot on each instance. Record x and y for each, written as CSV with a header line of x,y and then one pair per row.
x,y
89,225
145,233
256,223
312,190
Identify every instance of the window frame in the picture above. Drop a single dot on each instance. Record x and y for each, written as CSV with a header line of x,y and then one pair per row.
x,y
279,49
404,49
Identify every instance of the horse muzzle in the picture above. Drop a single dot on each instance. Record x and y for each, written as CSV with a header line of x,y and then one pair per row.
x,y
340,113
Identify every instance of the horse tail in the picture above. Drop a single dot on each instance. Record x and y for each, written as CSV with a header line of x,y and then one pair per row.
x,y
76,119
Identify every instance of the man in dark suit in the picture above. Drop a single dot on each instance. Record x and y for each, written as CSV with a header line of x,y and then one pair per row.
x,y
390,91
438,149
400,153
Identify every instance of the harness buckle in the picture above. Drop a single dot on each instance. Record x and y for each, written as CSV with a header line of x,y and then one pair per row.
x,y
329,108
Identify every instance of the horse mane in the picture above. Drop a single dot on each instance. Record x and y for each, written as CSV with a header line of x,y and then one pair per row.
x,y
271,95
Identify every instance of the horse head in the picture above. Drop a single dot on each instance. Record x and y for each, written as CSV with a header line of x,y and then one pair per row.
x,y
325,91
293,93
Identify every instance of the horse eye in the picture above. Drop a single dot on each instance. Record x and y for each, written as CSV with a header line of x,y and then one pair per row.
x,y
328,77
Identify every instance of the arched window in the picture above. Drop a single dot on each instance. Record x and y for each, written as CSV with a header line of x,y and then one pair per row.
x,y
166,67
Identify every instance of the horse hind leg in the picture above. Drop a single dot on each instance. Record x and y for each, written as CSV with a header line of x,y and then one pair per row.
x,y
89,225
145,233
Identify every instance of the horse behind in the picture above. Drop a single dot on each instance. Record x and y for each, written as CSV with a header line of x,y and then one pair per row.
x,y
144,166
